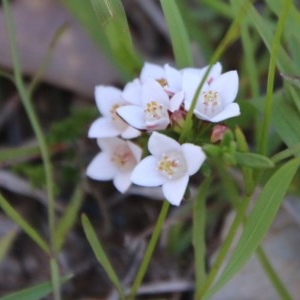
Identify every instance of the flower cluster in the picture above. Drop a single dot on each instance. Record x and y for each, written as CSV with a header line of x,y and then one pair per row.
x,y
158,100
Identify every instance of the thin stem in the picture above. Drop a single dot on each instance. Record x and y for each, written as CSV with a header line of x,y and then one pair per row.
x,y
263,145
150,249
199,234
269,270
39,135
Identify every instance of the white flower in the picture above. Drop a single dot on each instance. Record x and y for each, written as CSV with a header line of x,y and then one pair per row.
x,y
151,106
170,165
108,99
215,100
168,77
116,162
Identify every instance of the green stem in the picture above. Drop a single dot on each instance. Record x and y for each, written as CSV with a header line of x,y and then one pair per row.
x,y
199,234
150,249
263,145
39,135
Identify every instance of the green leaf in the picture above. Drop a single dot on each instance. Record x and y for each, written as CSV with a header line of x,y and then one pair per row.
x,y
68,219
18,219
112,18
100,254
199,220
264,28
179,37
6,242
259,221
253,160
36,292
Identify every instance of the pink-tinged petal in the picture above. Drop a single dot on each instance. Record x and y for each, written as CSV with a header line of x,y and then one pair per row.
x,y
194,157
227,86
158,144
176,101
230,111
102,128
132,92
133,115
110,144
130,133
215,72
106,97
101,167
153,91
147,174
151,71
136,151
122,181
174,190
174,78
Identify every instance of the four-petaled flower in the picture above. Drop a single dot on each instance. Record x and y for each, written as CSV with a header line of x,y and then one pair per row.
x,y
108,100
169,166
116,162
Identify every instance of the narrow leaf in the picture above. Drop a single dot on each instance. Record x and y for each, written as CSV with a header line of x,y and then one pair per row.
x,y
100,254
18,219
253,160
179,37
259,221
112,18
6,242
36,292
68,219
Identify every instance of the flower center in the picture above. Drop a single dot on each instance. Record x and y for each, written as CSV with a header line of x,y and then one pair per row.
x,y
155,111
162,81
123,158
172,165
117,121
209,103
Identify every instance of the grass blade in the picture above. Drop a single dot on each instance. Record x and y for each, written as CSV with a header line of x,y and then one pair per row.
x,y
68,219
112,18
179,37
100,254
18,219
36,292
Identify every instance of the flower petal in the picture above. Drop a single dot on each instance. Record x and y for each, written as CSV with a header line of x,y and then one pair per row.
x,y
132,92
133,115
136,151
110,144
152,71
101,167
174,78
102,127
232,110
194,157
130,133
122,181
152,90
106,97
190,82
174,190
159,144
176,101
146,173
227,86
